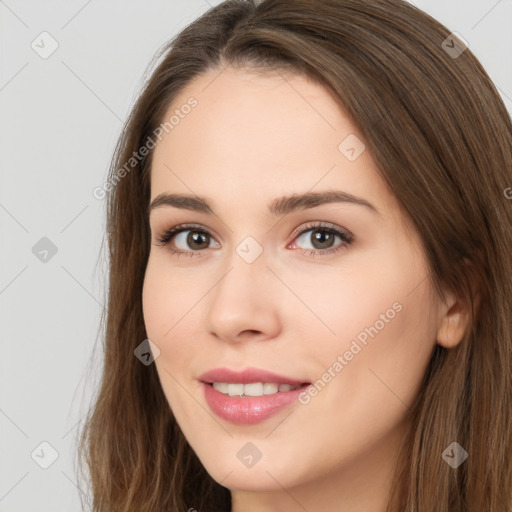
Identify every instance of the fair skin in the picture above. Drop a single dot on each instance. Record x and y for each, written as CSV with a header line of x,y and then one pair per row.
x,y
295,308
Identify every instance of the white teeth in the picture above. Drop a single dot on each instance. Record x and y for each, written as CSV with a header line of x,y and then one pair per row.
x,y
221,386
252,389
235,389
270,389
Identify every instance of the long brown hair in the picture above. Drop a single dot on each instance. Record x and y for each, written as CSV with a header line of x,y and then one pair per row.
x,y
441,138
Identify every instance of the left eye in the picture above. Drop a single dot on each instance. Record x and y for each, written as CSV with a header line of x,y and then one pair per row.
x,y
322,238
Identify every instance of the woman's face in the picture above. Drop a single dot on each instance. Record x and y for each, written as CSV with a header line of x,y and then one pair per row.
x,y
327,290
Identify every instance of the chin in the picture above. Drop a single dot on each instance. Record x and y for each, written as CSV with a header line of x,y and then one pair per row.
x,y
229,471
241,479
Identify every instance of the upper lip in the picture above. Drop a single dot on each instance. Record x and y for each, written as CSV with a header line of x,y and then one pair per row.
x,y
247,376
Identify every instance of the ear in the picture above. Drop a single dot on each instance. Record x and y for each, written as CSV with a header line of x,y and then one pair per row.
x,y
455,317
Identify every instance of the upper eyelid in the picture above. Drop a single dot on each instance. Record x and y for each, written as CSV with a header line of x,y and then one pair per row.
x,y
309,226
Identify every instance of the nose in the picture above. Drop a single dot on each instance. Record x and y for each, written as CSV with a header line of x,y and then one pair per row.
x,y
245,303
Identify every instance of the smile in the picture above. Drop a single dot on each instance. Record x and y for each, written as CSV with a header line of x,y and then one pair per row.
x,y
250,396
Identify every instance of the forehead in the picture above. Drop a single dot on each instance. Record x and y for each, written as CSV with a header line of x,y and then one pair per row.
x,y
254,136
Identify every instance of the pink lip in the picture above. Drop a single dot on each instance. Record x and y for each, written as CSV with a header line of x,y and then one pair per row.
x,y
248,410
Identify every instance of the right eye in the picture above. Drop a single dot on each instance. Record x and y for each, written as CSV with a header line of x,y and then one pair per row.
x,y
189,236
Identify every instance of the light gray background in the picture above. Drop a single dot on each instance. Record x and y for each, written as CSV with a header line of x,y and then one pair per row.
x,y
60,119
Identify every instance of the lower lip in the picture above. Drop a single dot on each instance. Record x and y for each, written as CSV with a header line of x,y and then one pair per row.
x,y
249,410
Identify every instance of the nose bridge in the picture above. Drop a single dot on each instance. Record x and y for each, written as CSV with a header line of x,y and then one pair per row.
x,y
245,280
241,299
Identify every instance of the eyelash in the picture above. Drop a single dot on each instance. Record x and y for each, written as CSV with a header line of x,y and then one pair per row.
x,y
346,237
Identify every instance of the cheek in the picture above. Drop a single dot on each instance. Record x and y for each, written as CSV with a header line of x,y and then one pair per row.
x,y
385,343
383,324
167,311
371,303
173,299
164,298
402,354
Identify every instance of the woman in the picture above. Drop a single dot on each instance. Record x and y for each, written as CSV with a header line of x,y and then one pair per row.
x,y
310,291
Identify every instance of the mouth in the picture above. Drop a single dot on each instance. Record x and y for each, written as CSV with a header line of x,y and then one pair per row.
x,y
250,396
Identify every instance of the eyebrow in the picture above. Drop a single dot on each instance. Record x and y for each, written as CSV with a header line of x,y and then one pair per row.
x,y
280,206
